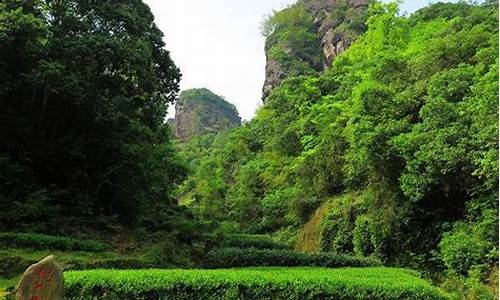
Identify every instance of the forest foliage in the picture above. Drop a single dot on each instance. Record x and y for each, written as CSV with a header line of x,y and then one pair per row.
x,y
390,155
203,95
293,41
200,111
399,139
84,91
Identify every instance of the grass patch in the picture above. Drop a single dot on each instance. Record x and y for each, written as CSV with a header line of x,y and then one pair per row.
x,y
61,256
309,239
253,283
14,262
236,257
5,284
48,242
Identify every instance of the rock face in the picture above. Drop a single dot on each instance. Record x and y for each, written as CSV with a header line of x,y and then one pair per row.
x,y
274,76
200,111
42,281
335,39
338,24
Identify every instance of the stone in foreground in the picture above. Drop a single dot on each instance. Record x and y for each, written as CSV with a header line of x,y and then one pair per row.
x,y
42,281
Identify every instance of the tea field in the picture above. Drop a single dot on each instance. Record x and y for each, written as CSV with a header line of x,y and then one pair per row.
x,y
251,283
239,267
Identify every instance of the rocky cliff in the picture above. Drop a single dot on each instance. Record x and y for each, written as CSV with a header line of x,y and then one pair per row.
x,y
328,28
200,111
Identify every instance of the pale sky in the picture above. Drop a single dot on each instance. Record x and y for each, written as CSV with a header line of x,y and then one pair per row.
x,y
217,44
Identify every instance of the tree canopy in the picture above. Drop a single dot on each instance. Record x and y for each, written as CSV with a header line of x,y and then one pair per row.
x,y
398,143
84,91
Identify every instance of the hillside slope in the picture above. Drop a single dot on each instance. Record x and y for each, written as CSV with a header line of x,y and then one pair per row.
x,y
397,143
200,111
305,38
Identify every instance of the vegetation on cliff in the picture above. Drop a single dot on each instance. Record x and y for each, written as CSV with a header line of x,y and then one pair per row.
x,y
293,41
200,111
304,38
399,139
377,144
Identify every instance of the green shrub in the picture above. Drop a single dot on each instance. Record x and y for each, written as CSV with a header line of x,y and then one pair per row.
x,y
461,251
469,288
336,236
338,226
362,237
293,41
47,242
277,209
255,283
252,241
14,265
472,246
235,257
348,228
367,237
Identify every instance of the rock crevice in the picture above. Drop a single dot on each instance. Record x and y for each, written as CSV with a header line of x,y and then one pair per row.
x,y
338,24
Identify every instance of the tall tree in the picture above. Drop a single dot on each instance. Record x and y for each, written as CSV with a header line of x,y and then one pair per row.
x,y
84,91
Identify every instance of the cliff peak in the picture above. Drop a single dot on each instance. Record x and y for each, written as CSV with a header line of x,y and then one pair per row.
x,y
200,111
305,38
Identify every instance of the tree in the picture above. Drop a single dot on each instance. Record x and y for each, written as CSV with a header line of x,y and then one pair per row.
x,y
84,92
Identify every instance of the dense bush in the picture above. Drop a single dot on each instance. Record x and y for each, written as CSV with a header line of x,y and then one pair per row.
x,y
235,257
472,246
362,237
293,41
338,225
14,265
472,287
259,283
367,237
462,251
252,241
47,242
117,264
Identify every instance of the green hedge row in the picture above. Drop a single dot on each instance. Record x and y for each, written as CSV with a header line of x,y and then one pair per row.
x,y
236,257
252,241
257,283
12,266
117,264
48,242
